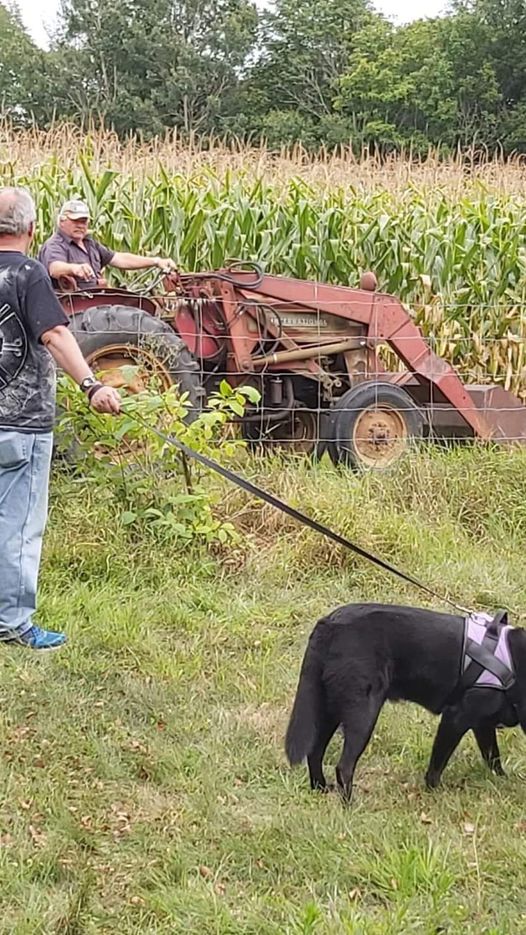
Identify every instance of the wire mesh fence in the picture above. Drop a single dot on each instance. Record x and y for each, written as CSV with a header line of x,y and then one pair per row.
x,y
340,371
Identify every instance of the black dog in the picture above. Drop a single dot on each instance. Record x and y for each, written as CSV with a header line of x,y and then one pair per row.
x,y
362,655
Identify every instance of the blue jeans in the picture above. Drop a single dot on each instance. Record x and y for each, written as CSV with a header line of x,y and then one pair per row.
x,y
24,480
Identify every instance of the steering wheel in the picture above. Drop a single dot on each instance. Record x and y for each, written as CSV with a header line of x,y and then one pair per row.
x,y
141,283
67,284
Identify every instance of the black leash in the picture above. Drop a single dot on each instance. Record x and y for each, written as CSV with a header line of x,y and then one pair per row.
x,y
291,511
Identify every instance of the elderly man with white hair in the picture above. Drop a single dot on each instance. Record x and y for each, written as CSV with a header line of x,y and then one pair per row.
x,y
71,252
33,336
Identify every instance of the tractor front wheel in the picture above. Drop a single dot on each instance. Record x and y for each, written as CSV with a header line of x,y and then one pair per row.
x,y
373,425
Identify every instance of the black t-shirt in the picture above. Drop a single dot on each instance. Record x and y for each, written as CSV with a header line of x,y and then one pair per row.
x,y
28,308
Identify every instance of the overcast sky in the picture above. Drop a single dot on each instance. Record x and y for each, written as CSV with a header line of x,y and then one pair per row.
x,y
39,13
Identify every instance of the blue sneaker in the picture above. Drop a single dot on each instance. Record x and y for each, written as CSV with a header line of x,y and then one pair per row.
x,y
41,640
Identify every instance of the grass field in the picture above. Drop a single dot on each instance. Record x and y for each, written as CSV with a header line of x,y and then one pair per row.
x,y
144,785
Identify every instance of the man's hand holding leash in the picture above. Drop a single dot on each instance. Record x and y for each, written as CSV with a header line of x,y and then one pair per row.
x,y
105,399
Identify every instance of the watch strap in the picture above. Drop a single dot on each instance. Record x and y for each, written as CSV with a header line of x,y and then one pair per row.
x,y
94,388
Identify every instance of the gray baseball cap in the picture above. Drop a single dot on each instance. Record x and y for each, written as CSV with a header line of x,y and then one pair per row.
x,y
75,208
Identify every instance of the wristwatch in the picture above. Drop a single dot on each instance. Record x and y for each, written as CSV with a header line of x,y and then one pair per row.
x,y
87,383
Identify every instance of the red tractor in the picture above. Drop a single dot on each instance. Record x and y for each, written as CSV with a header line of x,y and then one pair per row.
x,y
312,350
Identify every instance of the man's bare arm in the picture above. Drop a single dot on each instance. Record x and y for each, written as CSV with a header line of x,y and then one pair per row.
x,y
133,261
63,347
59,268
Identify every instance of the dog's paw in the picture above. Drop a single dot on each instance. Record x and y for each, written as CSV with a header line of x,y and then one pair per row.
x,y
325,789
432,780
497,770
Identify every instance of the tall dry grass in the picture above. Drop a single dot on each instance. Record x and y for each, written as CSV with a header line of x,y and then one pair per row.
x,y
25,149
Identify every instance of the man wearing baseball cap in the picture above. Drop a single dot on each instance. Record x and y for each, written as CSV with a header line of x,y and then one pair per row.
x,y
71,252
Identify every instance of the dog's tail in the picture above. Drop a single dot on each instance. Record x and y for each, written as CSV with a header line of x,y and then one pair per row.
x,y
308,703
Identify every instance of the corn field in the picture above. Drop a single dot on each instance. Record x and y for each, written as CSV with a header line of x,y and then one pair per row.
x,y
448,239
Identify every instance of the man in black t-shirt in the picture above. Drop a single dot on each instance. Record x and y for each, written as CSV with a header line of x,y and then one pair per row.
x,y
33,336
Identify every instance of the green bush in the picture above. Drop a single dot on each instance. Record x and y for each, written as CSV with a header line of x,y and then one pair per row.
x,y
152,486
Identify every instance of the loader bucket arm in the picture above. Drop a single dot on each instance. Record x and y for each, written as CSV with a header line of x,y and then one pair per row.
x,y
395,327
385,320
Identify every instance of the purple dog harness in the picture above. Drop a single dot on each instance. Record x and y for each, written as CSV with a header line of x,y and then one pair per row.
x,y
478,632
486,660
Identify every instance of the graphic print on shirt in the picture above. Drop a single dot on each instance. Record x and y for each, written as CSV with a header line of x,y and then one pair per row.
x,y
27,370
13,345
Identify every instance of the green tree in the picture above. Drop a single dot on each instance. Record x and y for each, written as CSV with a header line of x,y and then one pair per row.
x,y
304,45
316,71
23,86
505,25
504,22
421,84
144,65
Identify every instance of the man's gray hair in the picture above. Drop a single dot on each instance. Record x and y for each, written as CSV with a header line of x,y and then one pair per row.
x,y
17,212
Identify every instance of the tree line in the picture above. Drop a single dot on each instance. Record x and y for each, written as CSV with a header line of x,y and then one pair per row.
x,y
319,72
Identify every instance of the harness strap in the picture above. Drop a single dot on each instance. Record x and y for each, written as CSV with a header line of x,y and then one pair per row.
x,y
474,669
500,620
482,659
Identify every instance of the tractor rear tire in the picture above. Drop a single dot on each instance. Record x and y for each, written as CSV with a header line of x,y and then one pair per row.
x,y
120,334
373,425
